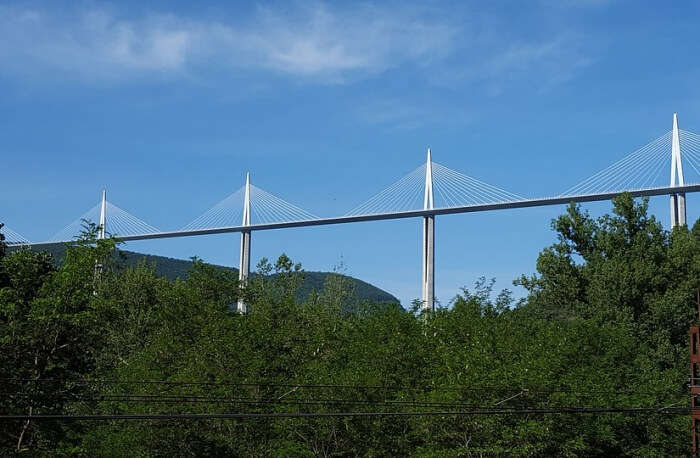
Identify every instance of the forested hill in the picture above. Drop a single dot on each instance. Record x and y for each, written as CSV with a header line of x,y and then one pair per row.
x,y
172,268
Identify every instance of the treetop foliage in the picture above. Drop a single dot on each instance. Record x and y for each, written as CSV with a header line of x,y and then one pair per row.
x,y
604,324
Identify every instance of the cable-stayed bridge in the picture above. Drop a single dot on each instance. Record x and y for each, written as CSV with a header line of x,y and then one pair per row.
x,y
431,189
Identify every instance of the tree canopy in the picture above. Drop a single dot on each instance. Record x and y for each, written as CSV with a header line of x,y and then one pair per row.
x,y
604,324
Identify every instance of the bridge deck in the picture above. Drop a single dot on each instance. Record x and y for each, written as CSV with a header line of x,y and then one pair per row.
x,y
559,200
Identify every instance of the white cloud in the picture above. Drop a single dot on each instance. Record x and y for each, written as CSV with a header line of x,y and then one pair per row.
x,y
554,61
539,63
312,42
90,44
317,42
364,39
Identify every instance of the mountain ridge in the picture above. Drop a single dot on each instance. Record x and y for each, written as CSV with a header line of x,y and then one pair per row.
x,y
173,268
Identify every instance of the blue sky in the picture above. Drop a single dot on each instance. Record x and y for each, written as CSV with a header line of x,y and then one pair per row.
x,y
168,104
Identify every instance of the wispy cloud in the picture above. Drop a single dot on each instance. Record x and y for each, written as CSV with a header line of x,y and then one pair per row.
x,y
541,64
91,44
313,41
366,39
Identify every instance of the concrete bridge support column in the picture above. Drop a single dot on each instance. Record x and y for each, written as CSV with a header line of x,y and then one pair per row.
x,y
678,213
244,262
428,297
244,268
681,209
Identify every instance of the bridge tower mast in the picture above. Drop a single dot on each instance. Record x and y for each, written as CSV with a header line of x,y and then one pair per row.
x,y
677,200
244,264
103,216
428,280
101,231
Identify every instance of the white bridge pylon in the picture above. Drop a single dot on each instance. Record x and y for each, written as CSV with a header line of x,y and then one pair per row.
x,y
448,189
248,205
244,263
677,200
428,257
261,207
646,168
429,187
111,220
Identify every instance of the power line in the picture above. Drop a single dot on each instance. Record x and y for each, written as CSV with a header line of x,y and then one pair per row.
x,y
284,415
329,386
260,403
185,399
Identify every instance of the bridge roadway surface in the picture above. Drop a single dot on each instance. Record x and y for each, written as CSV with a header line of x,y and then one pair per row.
x,y
559,200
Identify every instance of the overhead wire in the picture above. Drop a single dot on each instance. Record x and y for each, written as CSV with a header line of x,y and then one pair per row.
x,y
658,410
319,386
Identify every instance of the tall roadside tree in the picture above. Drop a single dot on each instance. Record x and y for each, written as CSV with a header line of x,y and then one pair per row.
x,y
47,335
622,266
624,271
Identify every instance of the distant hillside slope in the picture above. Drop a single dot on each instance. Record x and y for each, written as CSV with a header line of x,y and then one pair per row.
x,y
177,268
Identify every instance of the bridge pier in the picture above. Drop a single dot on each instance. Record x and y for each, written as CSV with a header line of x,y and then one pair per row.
x,y
428,295
677,200
244,262
678,213
244,268
428,279
681,209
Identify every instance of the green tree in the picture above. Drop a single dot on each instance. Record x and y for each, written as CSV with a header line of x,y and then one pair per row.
x,y
624,271
604,324
47,334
